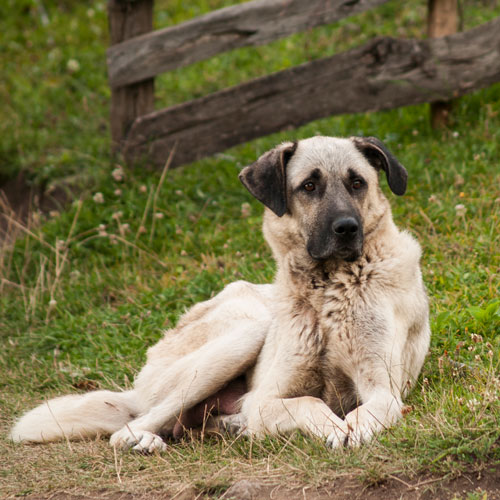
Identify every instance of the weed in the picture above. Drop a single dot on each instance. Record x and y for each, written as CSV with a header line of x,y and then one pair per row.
x,y
86,289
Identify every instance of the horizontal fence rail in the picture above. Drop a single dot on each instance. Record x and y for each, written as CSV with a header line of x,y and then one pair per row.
x,y
382,74
251,23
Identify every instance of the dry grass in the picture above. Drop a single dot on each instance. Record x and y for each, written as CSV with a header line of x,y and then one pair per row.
x,y
85,290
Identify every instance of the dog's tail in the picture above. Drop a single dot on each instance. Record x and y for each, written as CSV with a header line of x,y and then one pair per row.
x,y
76,416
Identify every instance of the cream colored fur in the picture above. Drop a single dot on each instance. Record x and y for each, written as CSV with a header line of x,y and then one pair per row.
x,y
329,348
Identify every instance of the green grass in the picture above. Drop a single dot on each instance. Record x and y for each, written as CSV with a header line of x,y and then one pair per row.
x,y
87,289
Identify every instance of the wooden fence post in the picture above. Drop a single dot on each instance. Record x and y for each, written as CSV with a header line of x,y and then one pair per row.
x,y
442,20
128,19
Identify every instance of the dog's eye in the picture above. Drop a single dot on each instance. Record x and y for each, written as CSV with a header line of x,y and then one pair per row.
x,y
309,186
357,184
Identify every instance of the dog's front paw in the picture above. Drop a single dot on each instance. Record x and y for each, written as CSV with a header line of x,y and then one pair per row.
x,y
360,426
353,438
140,441
360,434
338,438
233,424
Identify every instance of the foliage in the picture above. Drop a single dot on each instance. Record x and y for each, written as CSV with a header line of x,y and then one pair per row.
x,y
86,289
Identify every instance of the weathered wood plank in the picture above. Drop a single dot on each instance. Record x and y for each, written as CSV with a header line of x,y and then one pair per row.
x,y
251,23
127,20
385,73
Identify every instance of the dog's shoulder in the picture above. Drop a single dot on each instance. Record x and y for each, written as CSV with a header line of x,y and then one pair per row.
x,y
405,264
394,261
408,248
397,286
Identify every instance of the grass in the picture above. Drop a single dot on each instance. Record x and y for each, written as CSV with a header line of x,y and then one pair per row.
x,y
86,289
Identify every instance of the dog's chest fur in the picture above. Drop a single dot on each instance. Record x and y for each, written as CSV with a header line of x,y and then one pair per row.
x,y
334,316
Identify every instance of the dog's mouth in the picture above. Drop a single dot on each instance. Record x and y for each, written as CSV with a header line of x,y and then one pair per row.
x,y
347,254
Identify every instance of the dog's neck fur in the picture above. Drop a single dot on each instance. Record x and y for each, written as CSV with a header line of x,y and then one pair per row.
x,y
295,265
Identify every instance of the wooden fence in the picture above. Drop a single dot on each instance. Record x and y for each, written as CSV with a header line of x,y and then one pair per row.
x,y
382,74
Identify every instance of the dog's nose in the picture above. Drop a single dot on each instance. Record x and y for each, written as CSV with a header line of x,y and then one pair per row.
x,y
346,227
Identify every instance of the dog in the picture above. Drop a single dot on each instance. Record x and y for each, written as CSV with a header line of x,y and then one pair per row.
x,y
330,348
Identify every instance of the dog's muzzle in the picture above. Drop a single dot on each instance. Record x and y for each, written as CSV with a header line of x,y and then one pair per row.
x,y
342,239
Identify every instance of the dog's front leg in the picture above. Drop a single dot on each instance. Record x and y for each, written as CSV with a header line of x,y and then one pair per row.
x,y
283,415
381,410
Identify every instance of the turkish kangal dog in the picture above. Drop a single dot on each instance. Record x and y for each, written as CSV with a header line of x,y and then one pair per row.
x,y
329,348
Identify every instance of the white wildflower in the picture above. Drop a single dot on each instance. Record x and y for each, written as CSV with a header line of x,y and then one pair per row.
x,y
98,198
118,173
246,209
72,65
472,403
460,209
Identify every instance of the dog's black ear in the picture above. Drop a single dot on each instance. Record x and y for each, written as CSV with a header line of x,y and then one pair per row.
x,y
266,178
380,157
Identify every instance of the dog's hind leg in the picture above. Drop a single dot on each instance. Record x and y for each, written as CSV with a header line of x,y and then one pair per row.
x,y
193,378
77,416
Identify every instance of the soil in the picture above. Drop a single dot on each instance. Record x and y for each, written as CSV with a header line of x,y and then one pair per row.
x,y
485,484
19,198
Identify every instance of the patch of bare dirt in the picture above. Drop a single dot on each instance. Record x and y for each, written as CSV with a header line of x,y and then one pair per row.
x,y
486,483
19,199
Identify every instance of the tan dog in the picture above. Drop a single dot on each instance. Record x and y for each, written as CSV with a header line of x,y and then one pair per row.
x,y
330,348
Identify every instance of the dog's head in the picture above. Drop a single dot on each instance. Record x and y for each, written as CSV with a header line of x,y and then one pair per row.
x,y
327,189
